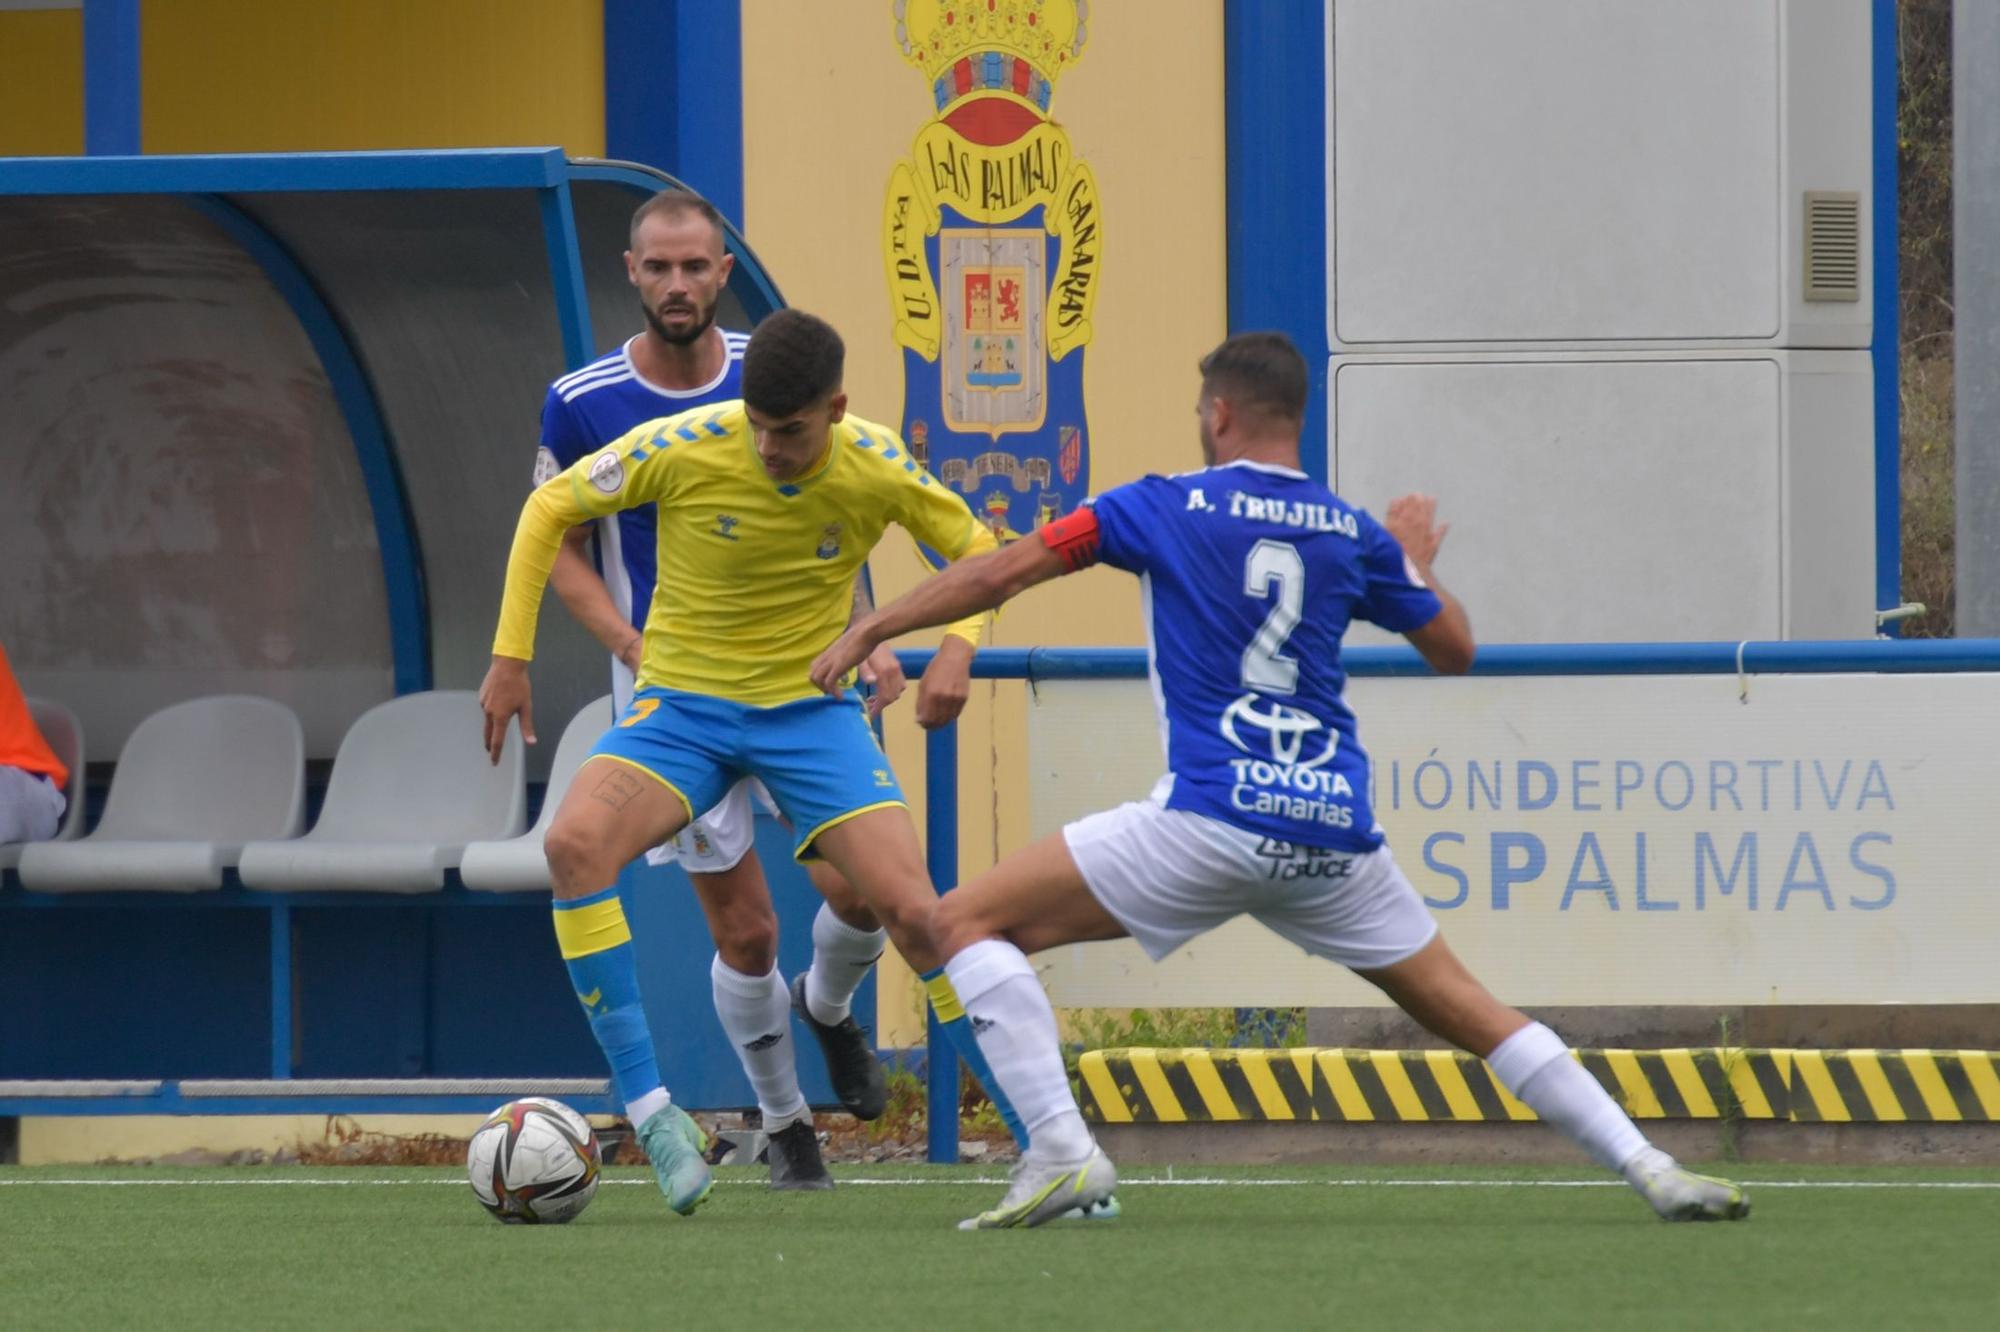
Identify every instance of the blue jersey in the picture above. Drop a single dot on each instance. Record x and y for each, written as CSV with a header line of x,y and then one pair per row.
x,y
588,409
1250,574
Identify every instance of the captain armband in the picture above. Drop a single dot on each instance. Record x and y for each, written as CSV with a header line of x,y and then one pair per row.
x,y
1073,537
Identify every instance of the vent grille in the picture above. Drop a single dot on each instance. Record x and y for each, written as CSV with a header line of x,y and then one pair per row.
x,y
1833,245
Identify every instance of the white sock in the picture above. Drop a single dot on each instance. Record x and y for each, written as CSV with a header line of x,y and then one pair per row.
x,y
757,1014
842,956
647,1106
1536,1067
1016,1031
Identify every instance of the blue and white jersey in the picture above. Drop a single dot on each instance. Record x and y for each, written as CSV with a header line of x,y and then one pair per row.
x,y
1250,575
588,409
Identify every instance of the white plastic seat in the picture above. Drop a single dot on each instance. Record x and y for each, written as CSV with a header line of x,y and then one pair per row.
x,y
64,733
411,786
517,865
194,783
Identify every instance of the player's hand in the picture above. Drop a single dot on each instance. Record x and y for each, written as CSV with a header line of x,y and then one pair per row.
x,y
503,696
883,671
947,683
632,653
831,666
1412,520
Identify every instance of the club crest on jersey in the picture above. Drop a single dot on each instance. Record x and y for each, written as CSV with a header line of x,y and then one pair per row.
x,y
829,542
607,472
1284,733
992,246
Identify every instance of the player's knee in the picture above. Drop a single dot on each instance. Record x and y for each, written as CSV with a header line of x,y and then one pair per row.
x,y
907,914
749,944
573,859
842,897
953,924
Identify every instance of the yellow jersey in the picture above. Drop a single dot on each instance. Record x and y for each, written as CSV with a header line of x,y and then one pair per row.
x,y
755,575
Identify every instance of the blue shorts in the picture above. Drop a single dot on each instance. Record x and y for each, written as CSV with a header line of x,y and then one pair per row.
x,y
817,757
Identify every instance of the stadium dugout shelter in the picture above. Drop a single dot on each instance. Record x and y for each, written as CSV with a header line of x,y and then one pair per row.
x,y
269,420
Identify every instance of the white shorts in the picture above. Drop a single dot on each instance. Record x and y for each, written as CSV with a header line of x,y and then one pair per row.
x,y
1168,875
718,840
722,836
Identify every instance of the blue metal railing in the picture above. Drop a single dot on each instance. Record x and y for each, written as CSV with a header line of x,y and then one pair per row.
x,y
1879,656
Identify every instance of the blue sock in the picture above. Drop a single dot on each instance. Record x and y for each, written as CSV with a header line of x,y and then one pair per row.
x,y
958,1029
596,946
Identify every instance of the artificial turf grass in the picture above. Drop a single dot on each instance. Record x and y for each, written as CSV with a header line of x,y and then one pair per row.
x,y
422,1254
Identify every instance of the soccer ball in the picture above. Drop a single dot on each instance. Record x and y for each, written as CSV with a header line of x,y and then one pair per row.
x,y
534,1161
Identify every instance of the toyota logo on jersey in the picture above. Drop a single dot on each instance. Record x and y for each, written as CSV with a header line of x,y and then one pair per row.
x,y
1286,730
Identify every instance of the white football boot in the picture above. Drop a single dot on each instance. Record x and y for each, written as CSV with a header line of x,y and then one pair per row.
x,y
1044,1190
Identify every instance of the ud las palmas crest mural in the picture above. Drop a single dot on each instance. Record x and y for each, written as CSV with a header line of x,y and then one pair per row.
x,y
992,240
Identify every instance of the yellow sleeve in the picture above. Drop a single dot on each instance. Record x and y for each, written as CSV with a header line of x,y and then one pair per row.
x,y
632,470
935,515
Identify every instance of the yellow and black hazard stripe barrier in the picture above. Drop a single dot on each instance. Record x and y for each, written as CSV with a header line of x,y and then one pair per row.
x,y
1425,1086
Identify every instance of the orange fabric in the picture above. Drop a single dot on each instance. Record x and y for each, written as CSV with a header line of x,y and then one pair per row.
x,y
21,745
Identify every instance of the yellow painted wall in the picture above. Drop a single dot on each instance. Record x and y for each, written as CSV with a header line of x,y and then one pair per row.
x,y
260,76
41,82
829,108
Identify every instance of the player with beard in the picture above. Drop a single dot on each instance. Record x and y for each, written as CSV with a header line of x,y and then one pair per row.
x,y
682,360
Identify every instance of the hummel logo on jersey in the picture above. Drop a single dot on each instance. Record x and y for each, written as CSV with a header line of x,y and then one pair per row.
x,y
764,1042
725,526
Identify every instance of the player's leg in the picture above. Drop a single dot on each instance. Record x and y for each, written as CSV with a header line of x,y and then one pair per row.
x,y
1370,919
751,1000
1137,869
847,942
878,851
631,793
1035,898
1533,1063
823,766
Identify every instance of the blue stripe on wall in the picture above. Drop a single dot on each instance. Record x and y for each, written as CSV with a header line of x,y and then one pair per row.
x,y
1274,99
1886,350
673,92
111,78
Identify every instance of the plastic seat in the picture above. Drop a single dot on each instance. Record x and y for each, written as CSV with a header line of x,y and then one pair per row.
x,y
64,733
411,786
517,865
194,784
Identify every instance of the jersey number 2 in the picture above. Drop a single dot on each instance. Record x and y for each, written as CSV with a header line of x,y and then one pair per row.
x,y
1264,666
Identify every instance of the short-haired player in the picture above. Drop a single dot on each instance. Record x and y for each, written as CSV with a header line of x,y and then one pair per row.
x,y
1252,572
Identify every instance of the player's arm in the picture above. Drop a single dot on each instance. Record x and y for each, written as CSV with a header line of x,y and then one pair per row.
x,y
583,591
566,436
966,590
622,475
940,519
1445,641
881,669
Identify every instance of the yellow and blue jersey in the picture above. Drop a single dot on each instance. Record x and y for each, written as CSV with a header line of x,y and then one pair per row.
x,y
755,575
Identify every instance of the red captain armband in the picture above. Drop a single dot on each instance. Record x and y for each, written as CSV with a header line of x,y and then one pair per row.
x,y
1074,537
